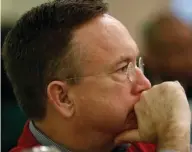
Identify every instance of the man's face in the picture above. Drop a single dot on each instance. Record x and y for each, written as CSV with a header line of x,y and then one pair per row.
x,y
104,100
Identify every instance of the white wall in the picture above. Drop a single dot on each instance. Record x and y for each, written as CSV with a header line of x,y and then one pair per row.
x,y
131,12
11,10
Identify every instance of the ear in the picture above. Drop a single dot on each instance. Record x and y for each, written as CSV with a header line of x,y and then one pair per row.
x,y
57,92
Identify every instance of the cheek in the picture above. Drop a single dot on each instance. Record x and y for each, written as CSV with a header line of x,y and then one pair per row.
x,y
123,100
104,106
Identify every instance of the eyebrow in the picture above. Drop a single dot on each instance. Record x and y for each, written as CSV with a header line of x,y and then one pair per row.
x,y
126,58
121,60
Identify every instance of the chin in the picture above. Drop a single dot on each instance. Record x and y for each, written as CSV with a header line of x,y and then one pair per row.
x,y
127,127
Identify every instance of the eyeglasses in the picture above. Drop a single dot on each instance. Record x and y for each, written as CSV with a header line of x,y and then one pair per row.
x,y
130,71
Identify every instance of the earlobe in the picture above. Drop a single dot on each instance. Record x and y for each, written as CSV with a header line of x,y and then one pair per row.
x,y
57,92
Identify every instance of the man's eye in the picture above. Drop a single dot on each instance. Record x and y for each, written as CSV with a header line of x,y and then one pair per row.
x,y
123,69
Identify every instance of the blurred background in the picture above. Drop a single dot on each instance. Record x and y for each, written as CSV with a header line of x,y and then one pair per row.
x,y
161,28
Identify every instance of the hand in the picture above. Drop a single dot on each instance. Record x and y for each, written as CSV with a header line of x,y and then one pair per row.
x,y
163,116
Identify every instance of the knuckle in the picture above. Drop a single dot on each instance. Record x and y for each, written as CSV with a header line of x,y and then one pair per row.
x,y
136,107
170,86
166,84
143,95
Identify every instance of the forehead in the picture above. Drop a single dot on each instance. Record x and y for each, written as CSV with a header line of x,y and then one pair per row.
x,y
104,41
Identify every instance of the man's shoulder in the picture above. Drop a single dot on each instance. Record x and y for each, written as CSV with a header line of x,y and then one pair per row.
x,y
26,140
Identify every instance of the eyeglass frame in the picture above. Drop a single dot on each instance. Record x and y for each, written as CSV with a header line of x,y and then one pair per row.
x,y
131,67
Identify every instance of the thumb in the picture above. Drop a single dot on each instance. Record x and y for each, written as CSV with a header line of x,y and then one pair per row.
x,y
128,136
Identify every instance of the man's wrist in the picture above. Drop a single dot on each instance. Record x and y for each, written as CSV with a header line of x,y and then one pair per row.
x,y
177,143
179,140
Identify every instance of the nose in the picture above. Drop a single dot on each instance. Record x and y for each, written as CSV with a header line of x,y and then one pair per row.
x,y
141,82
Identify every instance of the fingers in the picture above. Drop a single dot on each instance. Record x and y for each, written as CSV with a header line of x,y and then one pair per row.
x,y
128,136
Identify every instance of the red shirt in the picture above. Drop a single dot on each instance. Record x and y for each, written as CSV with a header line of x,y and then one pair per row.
x,y
27,140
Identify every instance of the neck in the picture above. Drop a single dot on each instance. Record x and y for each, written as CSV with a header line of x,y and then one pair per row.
x,y
76,140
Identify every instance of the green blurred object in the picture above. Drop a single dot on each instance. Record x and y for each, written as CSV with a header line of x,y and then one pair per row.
x,y
13,120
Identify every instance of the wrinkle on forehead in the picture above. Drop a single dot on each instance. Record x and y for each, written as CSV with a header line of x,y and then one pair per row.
x,y
104,40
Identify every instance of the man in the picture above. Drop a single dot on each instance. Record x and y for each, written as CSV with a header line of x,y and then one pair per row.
x,y
73,70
